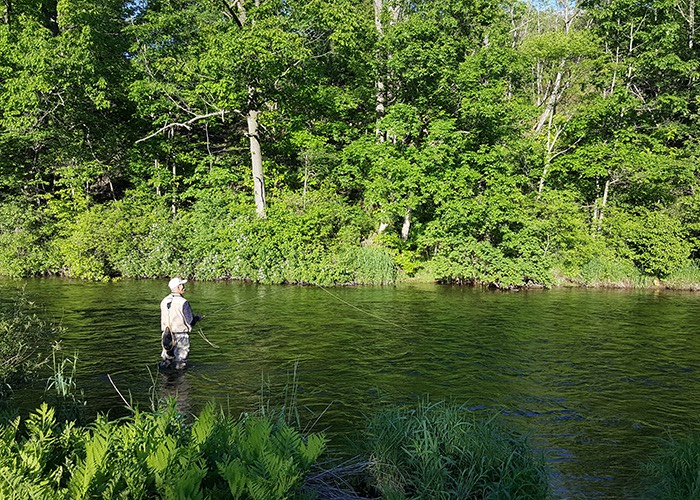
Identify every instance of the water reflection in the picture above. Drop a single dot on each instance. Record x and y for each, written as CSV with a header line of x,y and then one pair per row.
x,y
174,385
594,376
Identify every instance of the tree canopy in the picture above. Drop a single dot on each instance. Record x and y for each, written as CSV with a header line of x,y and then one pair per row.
x,y
508,143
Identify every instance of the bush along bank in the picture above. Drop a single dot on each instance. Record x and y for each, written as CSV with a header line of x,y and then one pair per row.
x,y
323,240
27,340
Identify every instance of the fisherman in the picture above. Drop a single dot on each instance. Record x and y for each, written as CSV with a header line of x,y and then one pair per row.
x,y
176,322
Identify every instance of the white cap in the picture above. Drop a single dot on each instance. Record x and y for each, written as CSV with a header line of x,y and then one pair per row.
x,y
176,282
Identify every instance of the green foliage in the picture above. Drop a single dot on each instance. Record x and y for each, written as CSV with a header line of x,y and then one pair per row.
x,y
686,278
654,241
26,340
674,470
471,140
151,455
311,239
140,241
610,271
444,451
24,236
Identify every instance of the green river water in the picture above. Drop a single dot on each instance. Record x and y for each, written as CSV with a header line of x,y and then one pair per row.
x,y
595,377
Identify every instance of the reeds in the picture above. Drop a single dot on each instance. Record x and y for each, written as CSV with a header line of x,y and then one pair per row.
x,y
674,471
437,450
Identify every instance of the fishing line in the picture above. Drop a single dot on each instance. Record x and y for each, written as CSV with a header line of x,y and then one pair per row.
x,y
364,311
336,297
201,334
235,305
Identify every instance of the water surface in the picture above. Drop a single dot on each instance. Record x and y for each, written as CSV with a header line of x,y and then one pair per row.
x,y
595,377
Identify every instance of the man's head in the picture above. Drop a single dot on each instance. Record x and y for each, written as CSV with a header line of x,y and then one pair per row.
x,y
177,284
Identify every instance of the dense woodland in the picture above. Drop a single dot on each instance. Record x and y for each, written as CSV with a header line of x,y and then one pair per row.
x,y
351,141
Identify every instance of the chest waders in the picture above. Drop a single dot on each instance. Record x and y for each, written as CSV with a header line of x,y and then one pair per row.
x,y
168,339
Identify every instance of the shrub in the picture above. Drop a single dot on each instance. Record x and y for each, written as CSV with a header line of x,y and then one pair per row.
x,y
23,241
26,340
685,278
154,455
654,241
610,271
133,239
443,451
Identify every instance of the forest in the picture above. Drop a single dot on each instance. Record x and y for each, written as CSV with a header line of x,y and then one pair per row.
x,y
502,143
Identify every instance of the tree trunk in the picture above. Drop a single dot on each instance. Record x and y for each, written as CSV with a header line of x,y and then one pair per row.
x,y
688,13
173,202
7,15
406,225
606,192
256,162
238,12
380,86
553,134
553,98
384,80
691,23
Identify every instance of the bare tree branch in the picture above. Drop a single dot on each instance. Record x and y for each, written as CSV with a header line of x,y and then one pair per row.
x,y
187,124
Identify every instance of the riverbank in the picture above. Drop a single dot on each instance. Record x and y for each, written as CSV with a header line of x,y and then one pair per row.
x,y
684,279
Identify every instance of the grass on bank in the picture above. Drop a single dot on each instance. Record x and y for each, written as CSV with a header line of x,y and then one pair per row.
x,y
437,450
674,471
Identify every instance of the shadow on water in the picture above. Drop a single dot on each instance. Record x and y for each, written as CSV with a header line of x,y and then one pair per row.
x,y
595,377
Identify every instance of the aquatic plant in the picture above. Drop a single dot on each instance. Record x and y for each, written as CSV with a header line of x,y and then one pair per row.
x,y
674,470
26,341
154,454
61,388
437,450
62,382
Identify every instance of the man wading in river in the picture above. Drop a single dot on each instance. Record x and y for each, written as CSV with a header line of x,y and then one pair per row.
x,y
176,322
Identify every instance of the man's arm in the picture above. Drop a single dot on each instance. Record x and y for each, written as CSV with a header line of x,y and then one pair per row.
x,y
190,318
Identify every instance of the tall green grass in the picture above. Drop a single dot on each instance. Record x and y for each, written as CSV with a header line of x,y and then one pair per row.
x,y
444,451
686,278
612,273
674,471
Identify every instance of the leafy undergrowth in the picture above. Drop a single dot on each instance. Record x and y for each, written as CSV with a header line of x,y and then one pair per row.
x,y
154,455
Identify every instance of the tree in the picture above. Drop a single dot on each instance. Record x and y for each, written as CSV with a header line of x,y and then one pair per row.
x,y
228,61
63,110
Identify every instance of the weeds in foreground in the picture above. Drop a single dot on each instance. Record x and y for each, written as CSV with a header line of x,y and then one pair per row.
x,y
674,471
442,451
26,341
61,387
154,455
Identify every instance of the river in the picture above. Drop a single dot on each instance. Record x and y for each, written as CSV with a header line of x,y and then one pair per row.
x,y
594,377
